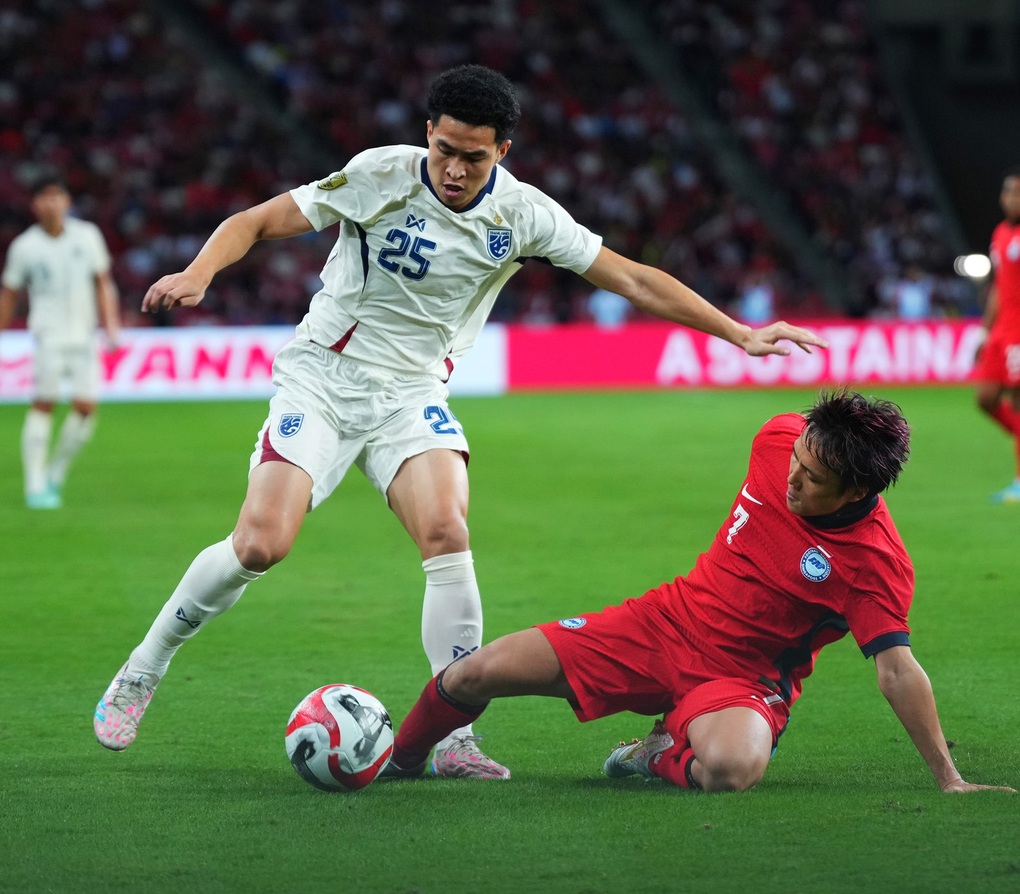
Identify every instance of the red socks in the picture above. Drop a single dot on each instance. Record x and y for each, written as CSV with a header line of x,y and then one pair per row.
x,y
1005,415
434,716
674,765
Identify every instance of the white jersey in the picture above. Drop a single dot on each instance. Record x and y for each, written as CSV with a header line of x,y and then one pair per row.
x,y
59,273
410,282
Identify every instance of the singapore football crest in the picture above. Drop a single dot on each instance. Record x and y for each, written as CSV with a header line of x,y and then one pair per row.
x,y
498,241
814,565
573,623
290,424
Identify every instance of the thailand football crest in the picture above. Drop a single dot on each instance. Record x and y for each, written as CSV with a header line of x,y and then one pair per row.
x,y
290,424
498,241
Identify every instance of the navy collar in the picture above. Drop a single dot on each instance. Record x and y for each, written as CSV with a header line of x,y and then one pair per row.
x,y
483,192
847,515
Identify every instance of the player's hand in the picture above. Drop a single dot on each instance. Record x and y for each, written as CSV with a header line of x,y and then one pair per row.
x,y
763,341
959,785
176,290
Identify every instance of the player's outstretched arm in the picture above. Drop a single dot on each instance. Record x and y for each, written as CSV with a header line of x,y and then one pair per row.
x,y
278,218
8,301
765,340
653,291
108,300
906,687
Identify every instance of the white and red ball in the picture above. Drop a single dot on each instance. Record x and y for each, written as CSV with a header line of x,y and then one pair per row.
x,y
339,737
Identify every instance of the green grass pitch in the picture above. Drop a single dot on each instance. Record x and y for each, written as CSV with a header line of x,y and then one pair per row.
x,y
578,500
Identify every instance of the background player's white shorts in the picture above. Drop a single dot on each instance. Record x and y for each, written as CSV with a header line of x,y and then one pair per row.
x,y
329,413
76,364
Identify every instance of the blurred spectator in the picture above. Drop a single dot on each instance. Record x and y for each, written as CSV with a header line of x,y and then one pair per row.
x,y
910,296
801,84
607,309
165,147
757,302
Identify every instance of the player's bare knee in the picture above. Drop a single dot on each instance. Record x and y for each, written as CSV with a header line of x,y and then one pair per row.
x,y
467,679
259,550
732,779
443,536
726,771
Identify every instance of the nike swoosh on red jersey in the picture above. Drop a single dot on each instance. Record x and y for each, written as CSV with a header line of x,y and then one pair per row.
x,y
744,493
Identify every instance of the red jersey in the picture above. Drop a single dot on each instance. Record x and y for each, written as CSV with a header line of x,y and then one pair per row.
x,y
775,587
1005,254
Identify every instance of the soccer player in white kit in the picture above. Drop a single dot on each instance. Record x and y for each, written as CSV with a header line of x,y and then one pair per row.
x,y
427,238
64,265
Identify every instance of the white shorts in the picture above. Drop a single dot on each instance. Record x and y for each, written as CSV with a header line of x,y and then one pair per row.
x,y
329,413
76,364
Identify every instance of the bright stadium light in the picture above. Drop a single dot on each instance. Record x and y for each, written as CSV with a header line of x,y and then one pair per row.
x,y
973,266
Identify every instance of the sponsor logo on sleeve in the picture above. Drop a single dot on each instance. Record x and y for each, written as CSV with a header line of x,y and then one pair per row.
x,y
337,178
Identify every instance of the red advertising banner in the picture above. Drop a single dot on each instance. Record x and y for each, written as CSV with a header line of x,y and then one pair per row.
x,y
656,355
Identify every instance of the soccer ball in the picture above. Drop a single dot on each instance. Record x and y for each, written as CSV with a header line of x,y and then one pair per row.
x,y
339,737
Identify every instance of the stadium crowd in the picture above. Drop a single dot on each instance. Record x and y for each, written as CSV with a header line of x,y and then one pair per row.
x,y
159,145
802,85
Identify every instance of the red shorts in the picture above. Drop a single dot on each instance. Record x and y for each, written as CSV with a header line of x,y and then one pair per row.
x,y
728,693
622,659
999,361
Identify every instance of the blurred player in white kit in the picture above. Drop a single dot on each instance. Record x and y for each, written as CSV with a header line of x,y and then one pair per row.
x,y
64,265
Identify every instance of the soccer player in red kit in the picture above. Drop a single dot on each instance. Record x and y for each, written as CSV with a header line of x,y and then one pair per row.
x,y
808,553
998,366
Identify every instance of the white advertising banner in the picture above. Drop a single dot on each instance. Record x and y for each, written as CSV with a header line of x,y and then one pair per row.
x,y
216,363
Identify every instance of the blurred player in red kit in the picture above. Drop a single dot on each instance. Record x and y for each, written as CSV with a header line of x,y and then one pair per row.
x,y
808,553
998,366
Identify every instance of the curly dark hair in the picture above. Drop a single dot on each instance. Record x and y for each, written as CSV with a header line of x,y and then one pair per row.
x,y
476,95
865,441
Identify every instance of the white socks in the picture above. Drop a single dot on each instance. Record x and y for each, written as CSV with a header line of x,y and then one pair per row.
x,y
35,447
35,444
451,623
451,619
74,434
213,583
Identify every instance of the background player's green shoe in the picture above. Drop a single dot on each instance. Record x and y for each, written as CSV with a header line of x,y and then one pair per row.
x,y
44,499
1009,494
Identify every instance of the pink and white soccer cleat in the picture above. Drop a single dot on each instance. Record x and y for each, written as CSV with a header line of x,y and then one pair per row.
x,y
121,708
462,759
